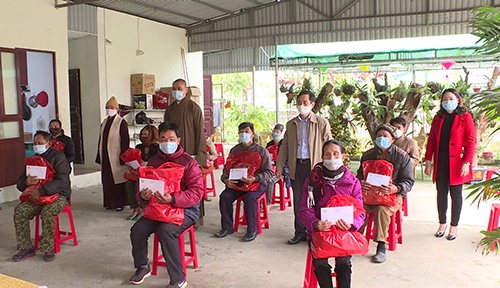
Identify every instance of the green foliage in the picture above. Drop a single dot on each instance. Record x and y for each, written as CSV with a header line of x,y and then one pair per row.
x,y
262,120
236,86
486,26
490,241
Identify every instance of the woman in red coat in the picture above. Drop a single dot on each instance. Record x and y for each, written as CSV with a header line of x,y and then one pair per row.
x,y
452,142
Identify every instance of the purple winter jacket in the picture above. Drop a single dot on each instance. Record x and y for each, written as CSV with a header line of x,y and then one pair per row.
x,y
347,185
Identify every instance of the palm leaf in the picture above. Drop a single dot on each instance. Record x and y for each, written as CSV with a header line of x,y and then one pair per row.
x,y
490,242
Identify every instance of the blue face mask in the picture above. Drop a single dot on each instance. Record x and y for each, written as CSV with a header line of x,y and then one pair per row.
x,y
450,105
168,147
383,142
178,95
39,149
245,138
276,135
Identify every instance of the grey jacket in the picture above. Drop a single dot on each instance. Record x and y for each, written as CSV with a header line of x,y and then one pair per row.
x,y
402,176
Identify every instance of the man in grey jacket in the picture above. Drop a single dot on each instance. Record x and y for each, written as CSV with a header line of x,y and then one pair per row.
x,y
402,182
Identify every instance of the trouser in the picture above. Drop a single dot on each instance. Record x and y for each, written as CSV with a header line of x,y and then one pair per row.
x,y
270,189
168,235
131,187
302,171
323,272
382,218
26,211
443,186
251,207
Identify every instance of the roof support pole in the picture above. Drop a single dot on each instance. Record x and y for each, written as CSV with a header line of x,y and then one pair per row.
x,y
253,85
276,78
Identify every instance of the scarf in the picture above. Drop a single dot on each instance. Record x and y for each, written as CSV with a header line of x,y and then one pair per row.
x,y
317,180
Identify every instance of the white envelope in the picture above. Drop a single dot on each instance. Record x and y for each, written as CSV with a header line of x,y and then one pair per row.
x,y
37,171
333,214
238,173
134,164
377,179
153,185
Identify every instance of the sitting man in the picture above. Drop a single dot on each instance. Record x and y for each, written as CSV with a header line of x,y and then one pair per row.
x,y
26,211
248,154
402,182
407,144
188,198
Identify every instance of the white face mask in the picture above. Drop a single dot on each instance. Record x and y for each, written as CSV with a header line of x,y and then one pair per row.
x,y
111,112
398,133
304,110
333,164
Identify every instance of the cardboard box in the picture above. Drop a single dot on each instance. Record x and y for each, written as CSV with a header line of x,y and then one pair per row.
x,y
142,84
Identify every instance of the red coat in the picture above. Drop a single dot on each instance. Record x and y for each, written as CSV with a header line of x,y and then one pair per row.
x,y
462,146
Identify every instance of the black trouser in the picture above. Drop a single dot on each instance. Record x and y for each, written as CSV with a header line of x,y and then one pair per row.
x,y
443,186
302,171
168,235
323,272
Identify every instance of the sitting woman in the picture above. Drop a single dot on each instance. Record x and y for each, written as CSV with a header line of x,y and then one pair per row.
x,y
273,147
329,178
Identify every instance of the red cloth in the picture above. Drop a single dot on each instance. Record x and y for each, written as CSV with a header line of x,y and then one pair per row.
x,y
336,242
374,196
462,141
130,155
245,159
171,173
38,160
273,150
58,145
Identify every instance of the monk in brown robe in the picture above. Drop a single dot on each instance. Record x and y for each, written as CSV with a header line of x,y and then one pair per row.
x,y
113,141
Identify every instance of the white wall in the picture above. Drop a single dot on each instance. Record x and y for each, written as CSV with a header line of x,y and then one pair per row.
x,y
36,24
195,69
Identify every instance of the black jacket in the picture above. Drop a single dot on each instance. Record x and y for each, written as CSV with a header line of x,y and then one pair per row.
x,y
402,176
69,147
60,184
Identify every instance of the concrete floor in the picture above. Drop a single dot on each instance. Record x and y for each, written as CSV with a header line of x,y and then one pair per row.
x,y
103,256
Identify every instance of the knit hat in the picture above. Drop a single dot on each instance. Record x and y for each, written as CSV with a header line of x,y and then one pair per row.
x,y
112,102
279,127
387,127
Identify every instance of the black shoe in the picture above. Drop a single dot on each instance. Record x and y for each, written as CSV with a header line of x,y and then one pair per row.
x,y
24,254
49,256
223,233
440,234
180,284
140,274
451,237
250,236
296,240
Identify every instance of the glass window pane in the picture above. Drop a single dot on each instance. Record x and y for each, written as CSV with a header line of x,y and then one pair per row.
x,y
10,130
9,83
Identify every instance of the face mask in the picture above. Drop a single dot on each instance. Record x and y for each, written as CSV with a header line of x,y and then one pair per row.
x,y
450,105
39,149
178,95
55,131
304,110
168,147
333,164
383,142
111,112
276,135
398,133
245,138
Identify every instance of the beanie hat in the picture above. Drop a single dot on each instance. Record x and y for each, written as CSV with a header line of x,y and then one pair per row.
x,y
389,128
112,102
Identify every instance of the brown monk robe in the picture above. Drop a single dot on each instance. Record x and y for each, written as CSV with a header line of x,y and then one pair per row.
x,y
113,141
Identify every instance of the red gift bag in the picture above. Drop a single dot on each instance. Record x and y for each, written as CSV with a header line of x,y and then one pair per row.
x,y
273,150
374,196
245,159
171,173
336,242
130,155
58,145
38,160
160,100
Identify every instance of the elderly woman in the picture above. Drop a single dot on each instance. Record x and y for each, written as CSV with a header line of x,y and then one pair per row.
x,y
329,178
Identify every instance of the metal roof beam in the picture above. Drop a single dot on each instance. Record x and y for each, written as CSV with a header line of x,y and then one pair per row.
x,y
212,6
72,3
326,16
156,8
354,2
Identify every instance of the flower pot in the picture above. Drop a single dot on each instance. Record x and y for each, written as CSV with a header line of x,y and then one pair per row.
x,y
476,89
290,95
283,89
488,155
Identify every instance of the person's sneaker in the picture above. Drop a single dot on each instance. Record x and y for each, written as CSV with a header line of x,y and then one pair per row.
x,y
49,256
379,257
24,254
180,284
140,274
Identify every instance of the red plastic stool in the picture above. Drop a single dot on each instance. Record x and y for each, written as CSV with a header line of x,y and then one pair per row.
x,y
395,230
494,215
404,207
310,280
221,160
58,233
263,218
283,198
209,189
193,257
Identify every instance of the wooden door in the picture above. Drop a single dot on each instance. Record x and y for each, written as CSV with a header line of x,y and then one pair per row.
x,y
12,151
75,103
208,104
